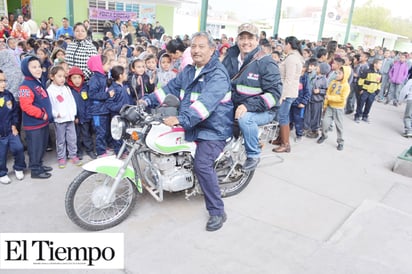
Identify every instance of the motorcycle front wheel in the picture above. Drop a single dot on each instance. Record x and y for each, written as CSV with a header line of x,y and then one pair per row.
x,y
87,206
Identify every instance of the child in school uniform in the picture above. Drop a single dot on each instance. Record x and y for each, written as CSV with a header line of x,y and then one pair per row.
x,y
83,118
120,98
37,115
98,94
9,134
297,109
64,112
139,81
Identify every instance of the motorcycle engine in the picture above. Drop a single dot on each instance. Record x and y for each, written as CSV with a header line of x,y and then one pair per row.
x,y
176,171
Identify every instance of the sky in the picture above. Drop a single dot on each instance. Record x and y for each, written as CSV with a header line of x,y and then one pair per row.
x,y
267,8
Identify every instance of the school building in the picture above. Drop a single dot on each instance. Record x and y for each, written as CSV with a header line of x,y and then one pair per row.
x,y
180,17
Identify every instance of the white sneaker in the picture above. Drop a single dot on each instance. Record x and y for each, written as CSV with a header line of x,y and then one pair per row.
x,y
19,174
5,180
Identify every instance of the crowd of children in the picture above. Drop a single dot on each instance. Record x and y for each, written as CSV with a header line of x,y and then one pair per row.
x,y
53,92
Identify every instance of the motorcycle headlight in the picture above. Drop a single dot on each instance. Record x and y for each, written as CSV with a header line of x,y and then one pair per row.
x,y
117,127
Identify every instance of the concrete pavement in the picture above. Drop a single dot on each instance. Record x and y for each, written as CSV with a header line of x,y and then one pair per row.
x,y
314,210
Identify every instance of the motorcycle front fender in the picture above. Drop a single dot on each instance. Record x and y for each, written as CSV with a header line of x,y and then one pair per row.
x,y
111,166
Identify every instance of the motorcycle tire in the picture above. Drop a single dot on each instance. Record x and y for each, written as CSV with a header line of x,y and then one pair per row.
x,y
239,179
238,186
86,207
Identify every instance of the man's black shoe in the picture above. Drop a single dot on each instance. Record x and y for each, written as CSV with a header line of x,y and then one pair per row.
x,y
215,222
44,175
47,168
321,139
251,164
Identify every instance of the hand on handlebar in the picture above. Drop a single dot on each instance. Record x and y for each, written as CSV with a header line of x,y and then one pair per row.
x,y
142,102
171,121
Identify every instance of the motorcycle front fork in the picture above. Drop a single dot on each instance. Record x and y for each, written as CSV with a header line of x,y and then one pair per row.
x,y
121,171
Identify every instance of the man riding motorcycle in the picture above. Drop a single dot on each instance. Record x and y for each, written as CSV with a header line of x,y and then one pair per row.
x,y
206,114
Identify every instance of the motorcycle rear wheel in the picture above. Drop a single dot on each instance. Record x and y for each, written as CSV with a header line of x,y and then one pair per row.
x,y
85,205
238,179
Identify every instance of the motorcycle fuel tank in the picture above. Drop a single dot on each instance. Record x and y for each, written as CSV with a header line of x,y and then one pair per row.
x,y
167,140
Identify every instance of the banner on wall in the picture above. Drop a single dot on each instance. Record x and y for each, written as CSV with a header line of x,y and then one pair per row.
x,y
103,14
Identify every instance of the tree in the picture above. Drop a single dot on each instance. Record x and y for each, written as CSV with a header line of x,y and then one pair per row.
x,y
380,18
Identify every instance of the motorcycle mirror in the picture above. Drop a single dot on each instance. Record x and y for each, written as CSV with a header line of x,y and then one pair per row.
x,y
171,101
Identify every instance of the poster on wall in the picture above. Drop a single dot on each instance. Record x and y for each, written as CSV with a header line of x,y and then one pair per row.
x,y
148,13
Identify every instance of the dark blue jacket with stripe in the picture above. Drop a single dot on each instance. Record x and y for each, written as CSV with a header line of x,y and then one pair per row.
x,y
259,86
206,109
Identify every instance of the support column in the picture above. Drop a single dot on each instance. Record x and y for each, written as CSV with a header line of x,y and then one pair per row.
x,y
322,19
277,18
70,12
203,15
349,24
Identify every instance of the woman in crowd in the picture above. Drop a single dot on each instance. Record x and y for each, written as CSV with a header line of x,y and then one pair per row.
x,y
80,50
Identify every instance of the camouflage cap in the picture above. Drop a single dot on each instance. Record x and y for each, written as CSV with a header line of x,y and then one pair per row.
x,y
249,28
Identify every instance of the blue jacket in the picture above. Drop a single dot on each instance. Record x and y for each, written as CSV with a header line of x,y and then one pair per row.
x,y
259,86
34,100
80,95
8,113
136,89
304,92
120,98
98,94
206,109
81,98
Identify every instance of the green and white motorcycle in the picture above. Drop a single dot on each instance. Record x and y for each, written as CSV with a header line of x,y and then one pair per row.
x,y
159,159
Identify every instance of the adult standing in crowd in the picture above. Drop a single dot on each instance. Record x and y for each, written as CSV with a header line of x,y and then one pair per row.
x,y
291,70
19,20
158,31
116,28
45,32
80,50
52,25
65,30
89,29
256,88
32,26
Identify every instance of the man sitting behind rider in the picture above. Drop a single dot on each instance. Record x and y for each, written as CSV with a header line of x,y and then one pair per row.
x,y
256,87
205,113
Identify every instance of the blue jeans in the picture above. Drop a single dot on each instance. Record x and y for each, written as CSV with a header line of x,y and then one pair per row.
x,y
249,125
296,117
366,100
16,147
283,112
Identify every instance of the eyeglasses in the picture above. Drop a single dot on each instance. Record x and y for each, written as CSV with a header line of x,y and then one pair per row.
x,y
3,81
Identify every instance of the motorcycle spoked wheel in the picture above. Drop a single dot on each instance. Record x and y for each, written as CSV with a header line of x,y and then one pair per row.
x,y
238,180
86,207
